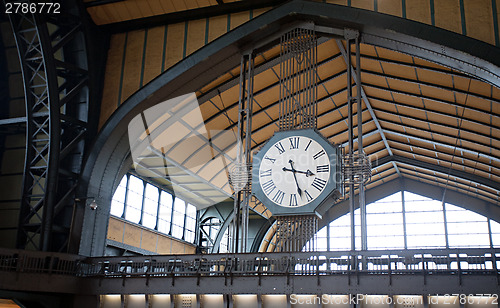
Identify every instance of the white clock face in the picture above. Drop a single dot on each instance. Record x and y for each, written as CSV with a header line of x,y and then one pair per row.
x,y
294,171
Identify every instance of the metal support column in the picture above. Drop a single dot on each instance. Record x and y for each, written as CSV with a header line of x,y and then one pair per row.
x,y
361,187
351,143
240,174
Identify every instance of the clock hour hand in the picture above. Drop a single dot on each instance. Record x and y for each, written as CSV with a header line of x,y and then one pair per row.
x,y
295,177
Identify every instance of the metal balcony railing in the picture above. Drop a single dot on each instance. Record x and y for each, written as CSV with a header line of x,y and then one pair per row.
x,y
403,262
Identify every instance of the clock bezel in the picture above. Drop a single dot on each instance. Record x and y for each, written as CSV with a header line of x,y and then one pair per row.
x,y
332,188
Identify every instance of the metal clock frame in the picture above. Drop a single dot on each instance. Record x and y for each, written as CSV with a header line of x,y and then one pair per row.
x,y
326,197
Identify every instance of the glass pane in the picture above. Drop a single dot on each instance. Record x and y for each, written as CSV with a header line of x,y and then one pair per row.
x,y
409,196
422,241
179,206
495,226
177,231
190,223
425,217
457,214
382,242
165,212
178,219
134,199
191,210
189,236
469,240
424,228
467,227
118,202
150,206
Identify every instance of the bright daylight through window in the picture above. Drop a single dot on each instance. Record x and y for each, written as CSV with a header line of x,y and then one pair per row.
x,y
418,222
143,203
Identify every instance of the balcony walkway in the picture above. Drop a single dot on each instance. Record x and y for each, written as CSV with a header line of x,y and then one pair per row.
x,y
464,271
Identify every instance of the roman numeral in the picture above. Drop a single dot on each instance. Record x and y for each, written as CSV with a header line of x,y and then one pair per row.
x,y
322,168
268,187
278,197
293,200
308,196
319,184
267,172
294,142
280,147
319,154
270,159
307,147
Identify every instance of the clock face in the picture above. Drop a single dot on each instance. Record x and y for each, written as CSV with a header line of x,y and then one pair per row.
x,y
294,171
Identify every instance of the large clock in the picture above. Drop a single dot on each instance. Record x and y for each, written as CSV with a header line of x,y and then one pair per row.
x,y
296,173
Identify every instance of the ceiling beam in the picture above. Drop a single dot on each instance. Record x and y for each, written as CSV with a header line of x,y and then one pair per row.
x,y
182,16
431,111
415,65
432,99
441,169
430,84
441,160
409,171
436,132
444,145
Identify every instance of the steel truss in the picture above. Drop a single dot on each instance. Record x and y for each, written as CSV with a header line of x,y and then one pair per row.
x,y
52,55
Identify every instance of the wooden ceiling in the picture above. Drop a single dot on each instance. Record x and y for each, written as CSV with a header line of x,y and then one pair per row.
x,y
421,120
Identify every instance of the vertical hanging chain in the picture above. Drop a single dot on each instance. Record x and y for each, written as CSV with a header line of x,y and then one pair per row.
x,y
296,233
298,80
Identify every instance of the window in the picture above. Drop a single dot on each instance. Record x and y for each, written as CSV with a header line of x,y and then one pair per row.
x,y
419,220
190,222
134,199
118,202
178,218
150,207
143,203
165,214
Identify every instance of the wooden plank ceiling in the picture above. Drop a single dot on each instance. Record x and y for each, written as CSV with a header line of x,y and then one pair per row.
x,y
440,126
423,121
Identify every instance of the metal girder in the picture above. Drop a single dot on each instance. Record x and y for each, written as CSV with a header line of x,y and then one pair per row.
x,y
367,103
431,85
431,111
432,99
444,170
259,69
448,146
55,85
416,65
405,116
443,180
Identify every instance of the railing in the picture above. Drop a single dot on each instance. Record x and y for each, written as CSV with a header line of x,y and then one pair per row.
x,y
39,262
426,262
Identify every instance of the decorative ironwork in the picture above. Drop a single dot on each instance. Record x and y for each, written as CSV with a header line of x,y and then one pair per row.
x,y
54,67
298,80
296,233
240,177
356,169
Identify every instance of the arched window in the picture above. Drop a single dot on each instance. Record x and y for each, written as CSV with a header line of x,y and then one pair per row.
x,y
406,220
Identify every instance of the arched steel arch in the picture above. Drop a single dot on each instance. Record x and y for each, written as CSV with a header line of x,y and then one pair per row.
x,y
57,61
111,147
